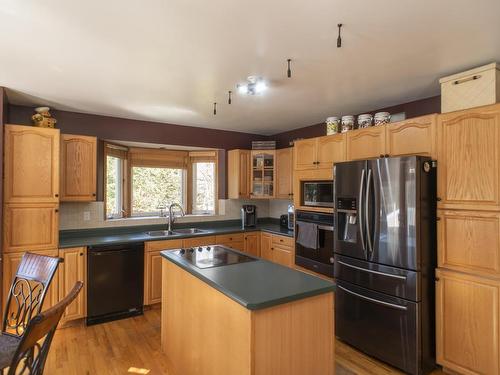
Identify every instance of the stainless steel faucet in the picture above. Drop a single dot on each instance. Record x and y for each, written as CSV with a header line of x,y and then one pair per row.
x,y
171,215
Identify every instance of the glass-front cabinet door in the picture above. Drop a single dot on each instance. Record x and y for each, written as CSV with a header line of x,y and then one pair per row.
x,y
263,173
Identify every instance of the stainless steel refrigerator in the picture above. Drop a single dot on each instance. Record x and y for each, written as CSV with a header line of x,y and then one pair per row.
x,y
385,255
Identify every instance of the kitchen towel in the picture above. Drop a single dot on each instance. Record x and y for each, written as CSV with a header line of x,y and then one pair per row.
x,y
307,235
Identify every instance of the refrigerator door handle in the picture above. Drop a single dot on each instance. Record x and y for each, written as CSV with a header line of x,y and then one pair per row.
x,y
367,214
400,277
360,206
391,305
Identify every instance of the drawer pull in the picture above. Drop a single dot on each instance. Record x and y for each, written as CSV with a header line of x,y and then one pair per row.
x,y
374,300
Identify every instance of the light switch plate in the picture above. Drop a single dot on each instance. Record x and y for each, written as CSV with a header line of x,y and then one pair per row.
x,y
86,216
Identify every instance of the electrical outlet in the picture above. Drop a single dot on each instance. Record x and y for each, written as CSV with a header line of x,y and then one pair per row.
x,y
86,216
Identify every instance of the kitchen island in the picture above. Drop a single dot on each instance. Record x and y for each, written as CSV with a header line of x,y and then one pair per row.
x,y
251,317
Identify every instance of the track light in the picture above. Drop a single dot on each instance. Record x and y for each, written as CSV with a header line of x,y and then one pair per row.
x,y
229,97
339,38
215,108
289,70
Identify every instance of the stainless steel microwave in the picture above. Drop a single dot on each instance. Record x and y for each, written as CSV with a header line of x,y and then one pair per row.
x,y
317,193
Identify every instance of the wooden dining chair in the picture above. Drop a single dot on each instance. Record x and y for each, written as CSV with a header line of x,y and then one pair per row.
x,y
33,349
27,292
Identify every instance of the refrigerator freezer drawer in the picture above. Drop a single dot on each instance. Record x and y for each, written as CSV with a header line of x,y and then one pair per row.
x,y
381,326
389,280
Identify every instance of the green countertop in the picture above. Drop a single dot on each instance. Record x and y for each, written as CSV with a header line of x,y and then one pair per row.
x,y
258,284
120,235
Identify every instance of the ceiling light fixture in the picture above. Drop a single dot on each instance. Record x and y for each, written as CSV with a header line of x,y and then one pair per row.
x,y
254,86
339,38
289,70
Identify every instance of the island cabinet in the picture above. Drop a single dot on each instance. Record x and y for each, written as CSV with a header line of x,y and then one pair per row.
x,y
78,168
319,152
11,263
247,331
199,241
278,249
238,172
73,269
152,268
284,173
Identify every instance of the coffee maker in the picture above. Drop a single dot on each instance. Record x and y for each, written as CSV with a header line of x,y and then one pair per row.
x,y
248,215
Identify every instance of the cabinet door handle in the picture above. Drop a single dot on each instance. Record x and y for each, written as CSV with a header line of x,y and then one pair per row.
x,y
56,195
381,155
56,210
81,254
272,248
438,199
93,194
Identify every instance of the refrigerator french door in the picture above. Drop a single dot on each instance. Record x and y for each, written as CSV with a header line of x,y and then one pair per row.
x,y
385,246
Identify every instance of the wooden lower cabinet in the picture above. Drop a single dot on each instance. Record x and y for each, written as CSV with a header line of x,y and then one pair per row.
x,y
252,243
11,262
152,268
467,323
277,249
199,241
73,269
233,241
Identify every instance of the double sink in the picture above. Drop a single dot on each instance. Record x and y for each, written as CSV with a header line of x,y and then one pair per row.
x,y
177,232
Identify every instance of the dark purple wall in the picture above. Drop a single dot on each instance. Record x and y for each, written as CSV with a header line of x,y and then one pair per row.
x,y
412,109
120,129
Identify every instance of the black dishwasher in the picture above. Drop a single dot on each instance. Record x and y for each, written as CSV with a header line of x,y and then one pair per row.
x,y
115,286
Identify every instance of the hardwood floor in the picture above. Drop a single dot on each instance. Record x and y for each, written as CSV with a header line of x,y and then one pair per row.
x,y
132,346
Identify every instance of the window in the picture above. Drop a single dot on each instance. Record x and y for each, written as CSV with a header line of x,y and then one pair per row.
x,y
204,183
114,184
154,188
144,181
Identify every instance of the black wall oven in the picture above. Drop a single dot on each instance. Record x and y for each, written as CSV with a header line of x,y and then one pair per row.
x,y
320,258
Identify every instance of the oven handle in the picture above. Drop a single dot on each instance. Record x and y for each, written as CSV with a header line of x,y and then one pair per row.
x,y
326,227
372,271
387,304
360,207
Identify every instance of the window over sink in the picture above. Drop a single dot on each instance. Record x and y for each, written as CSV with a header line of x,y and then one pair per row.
x,y
143,182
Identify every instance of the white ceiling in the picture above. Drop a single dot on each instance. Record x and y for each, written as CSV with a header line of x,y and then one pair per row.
x,y
169,60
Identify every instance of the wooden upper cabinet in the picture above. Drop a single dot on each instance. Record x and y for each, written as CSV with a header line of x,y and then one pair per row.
x,y
238,168
366,143
78,168
31,160
330,149
416,136
34,226
73,269
319,152
469,241
467,323
284,173
304,154
469,159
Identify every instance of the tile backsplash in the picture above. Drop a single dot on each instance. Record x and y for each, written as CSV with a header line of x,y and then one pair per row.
x,y
79,215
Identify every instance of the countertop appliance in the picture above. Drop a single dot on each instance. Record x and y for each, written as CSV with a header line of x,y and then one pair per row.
x,y
319,259
248,215
317,193
284,221
115,285
385,246
212,256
